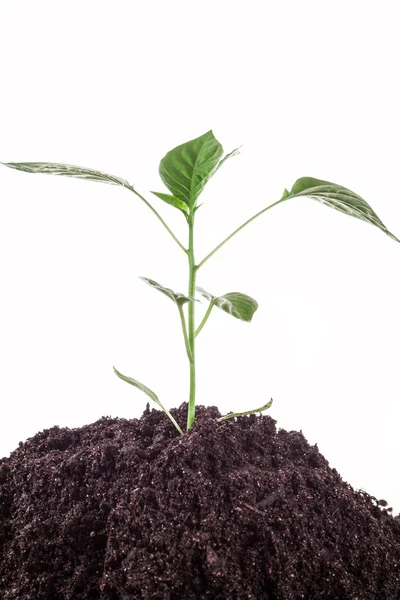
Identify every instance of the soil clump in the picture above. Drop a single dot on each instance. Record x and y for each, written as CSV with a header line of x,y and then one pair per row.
x,y
236,510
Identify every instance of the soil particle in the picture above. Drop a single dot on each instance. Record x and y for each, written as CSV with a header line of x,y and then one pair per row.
x,y
239,510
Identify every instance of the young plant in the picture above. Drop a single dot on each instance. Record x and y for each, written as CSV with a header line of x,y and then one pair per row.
x,y
185,171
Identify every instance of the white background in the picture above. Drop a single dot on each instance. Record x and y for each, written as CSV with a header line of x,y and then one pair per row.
x,y
308,88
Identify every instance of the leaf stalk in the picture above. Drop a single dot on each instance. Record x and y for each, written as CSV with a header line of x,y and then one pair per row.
x,y
159,217
185,334
205,318
205,259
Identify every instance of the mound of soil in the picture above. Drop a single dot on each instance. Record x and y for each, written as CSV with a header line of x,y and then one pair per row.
x,y
237,510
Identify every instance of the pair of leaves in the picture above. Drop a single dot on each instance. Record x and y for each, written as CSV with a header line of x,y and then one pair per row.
x,y
236,304
135,383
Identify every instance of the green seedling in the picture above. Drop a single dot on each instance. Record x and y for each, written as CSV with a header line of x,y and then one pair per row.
x,y
185,171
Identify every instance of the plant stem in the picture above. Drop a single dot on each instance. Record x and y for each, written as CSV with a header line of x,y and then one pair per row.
x,y
201,263
191,325
204,321
160,218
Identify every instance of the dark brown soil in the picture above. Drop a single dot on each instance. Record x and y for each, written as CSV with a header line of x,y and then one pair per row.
x,y
237,510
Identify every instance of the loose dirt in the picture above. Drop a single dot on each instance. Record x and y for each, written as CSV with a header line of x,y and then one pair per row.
x,y
237,510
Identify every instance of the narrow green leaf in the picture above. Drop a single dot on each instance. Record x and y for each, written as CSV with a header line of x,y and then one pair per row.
x,y
178,298
234,152
173,201
68,171
247,412
149,393
337,197
186,169
236,304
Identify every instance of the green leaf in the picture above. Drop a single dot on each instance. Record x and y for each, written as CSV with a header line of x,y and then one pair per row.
x,y
236,304
186,169
68,171
247,412
178,298
173,201
337,197
149,393
234,152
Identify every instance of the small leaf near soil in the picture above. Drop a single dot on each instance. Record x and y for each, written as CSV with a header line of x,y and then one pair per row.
x,y
247,412
149,393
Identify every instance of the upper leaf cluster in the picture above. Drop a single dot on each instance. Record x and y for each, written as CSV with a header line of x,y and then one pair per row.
x,y
186,169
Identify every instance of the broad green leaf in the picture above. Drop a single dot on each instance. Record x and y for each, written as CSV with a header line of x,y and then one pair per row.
x,y
337,197
234,152
173,201
236,304
68,171
178,298
186,169
247,412
149,393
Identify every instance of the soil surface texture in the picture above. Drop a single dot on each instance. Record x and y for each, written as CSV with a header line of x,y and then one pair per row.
x,y
235,510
